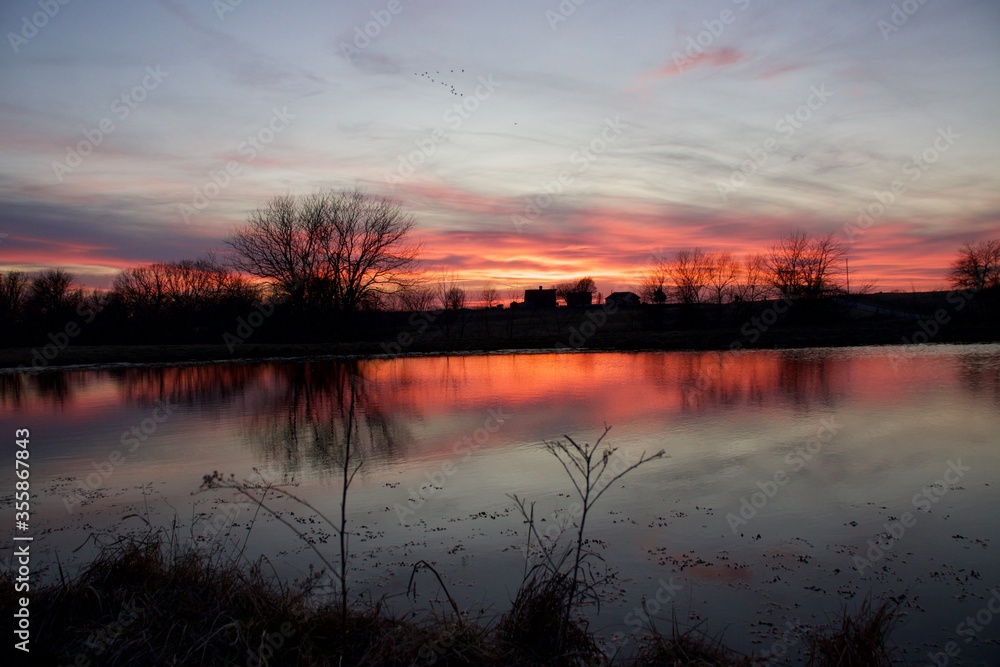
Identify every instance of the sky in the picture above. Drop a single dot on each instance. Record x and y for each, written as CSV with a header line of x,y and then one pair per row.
x,y
533,142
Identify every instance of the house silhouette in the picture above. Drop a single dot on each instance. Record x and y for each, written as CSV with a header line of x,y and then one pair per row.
x,y
540,298
619,299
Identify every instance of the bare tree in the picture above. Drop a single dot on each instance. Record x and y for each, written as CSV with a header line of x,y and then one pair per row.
x,y
490,295
187,286
800,266
514,292
754,284
451,297
52,293
418,298
454,298
689,273
450,294
13,295
330,249
653,288
977,266
584,285
723,272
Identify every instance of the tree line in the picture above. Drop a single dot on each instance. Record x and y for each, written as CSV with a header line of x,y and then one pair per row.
x,y
327,259
798,266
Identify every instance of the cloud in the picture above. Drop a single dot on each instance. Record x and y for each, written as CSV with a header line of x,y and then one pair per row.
x,y
717,58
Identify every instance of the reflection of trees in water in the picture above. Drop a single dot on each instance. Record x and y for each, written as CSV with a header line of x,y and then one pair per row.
x,y
17,390
719,379
14,391
980,376
806,379
204,385
722,379
303,424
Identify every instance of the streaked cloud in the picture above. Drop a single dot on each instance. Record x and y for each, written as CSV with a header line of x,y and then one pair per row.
x,y
407,102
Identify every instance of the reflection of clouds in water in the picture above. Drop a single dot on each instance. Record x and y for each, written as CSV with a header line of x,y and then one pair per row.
x,y
728,421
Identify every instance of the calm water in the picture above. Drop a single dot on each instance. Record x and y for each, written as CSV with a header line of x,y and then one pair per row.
x,y
785,471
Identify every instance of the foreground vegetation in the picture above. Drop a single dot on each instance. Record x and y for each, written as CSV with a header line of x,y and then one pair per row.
x,y
151,600
145,602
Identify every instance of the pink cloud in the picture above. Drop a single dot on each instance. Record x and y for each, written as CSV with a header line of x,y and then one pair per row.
x,y
718,58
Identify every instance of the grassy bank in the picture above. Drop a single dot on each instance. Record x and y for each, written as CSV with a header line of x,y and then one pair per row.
x,y
562,337
151,600
146,602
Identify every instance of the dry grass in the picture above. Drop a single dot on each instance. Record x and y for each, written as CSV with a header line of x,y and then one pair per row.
x,y
531,629
145,601
858,640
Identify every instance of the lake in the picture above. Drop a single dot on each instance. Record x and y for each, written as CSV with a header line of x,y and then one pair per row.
x,y
795,481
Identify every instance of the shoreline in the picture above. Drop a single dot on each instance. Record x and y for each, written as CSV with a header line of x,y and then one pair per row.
x,y
13,360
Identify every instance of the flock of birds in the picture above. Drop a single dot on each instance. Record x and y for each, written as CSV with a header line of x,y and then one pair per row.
x,y
451,88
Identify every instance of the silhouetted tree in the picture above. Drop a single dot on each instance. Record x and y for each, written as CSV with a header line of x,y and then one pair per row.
x,y
689,272
454,298
752,284
803,267
977,267
653,288
490,295
188,287
14,287
723,272
329,249
585,284
51,294
417,298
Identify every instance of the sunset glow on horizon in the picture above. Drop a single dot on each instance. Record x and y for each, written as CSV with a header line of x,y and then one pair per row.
x,y
534,143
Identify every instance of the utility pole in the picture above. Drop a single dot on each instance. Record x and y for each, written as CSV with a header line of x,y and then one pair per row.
x,y
847,265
